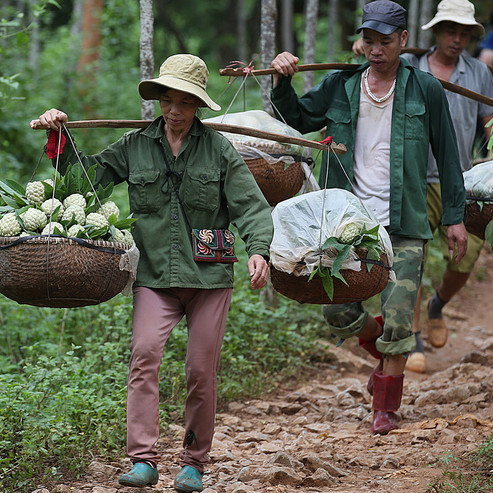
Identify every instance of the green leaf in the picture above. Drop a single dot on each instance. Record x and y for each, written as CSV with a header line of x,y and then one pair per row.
x,y
314,273
339,259
19,200
374,253
95,234
105,193
328,284
334,243
9,201
488,233
112,219
126,223
16,187
6,189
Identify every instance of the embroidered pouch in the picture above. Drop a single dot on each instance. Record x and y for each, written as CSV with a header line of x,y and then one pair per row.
x,y
213,245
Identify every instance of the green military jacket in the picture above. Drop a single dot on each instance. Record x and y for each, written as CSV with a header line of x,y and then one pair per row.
x,y
216,189
420,116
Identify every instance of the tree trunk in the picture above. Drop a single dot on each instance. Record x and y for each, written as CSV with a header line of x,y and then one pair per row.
x,y
91,41
287,26
146,53
424,37
333,32
412,23
311,14
76,21
357,18
34,44
242,32
267,47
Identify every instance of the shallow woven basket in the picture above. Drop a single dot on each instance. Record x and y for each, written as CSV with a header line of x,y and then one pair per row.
x,y
60,272
362,284
477,219
275,182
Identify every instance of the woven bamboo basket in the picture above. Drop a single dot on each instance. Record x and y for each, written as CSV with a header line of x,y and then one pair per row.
x,y
277,181
362,284
478,219
58,272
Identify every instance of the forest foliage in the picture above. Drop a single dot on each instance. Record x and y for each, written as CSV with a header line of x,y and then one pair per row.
x,y
63,371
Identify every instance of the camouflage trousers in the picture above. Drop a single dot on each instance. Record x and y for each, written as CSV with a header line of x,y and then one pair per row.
x,y
398,301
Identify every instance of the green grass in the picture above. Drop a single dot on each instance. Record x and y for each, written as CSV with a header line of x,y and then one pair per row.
x,y
470,473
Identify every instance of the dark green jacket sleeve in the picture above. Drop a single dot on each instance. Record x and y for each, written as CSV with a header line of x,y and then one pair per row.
x,y
306,114
248,209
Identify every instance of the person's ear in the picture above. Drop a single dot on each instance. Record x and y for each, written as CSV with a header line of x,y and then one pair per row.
x,y
404,36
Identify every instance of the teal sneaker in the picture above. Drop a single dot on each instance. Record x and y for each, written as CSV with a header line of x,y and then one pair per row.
x,y
142,474
188,480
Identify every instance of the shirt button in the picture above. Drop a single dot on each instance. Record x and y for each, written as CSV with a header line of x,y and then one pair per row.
x,y
175,216
175,246
204,177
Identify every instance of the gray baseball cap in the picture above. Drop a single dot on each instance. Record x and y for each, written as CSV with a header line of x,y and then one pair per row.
x,y
383,16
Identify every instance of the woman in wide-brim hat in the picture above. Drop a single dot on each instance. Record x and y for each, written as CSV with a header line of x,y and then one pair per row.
x,y
181,175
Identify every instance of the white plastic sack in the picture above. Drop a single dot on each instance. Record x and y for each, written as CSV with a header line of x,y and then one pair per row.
x,y
302,224
255,148
478,181
129,262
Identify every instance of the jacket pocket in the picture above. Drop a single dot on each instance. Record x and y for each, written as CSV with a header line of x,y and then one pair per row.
x,y
143,191
338,115
202,188
415,121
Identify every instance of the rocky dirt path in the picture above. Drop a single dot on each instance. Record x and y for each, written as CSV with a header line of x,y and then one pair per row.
x,y
316,436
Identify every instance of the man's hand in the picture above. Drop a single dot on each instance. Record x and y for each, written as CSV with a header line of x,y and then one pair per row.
x,y
259,271
457,235
358,47
286,64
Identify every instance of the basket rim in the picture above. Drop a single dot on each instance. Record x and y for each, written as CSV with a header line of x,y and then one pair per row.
x,y
103,245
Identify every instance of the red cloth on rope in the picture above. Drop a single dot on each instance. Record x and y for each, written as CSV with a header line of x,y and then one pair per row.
x,y
52,145
326,141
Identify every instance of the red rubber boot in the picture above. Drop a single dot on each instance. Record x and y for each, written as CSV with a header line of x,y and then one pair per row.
x,y
370,347
387,395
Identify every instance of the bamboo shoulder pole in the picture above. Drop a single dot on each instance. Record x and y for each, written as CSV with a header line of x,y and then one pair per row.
x,y
241,72
220,127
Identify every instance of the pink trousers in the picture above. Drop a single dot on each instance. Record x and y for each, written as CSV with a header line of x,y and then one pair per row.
x,y
156,313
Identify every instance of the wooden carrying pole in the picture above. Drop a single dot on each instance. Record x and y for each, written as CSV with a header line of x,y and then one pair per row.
x,y
241,72
220,127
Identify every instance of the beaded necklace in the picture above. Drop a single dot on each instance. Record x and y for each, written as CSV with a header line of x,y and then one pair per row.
x,y
372,96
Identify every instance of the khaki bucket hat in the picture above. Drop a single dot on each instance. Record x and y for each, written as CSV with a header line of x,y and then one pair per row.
x,y
459,11
183,72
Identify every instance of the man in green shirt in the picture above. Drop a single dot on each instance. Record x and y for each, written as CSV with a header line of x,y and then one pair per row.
x,y
386,113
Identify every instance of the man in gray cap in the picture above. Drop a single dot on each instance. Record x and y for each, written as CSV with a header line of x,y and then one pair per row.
x,y
386,113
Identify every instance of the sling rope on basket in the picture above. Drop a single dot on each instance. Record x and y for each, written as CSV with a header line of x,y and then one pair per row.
x,y
59,272
51,270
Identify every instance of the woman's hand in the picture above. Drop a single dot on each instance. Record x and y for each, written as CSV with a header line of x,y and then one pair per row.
x,y
259,271
285,64
51,119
